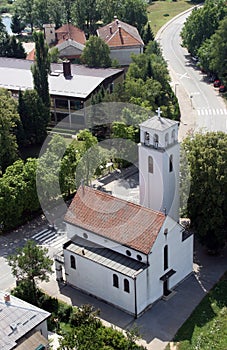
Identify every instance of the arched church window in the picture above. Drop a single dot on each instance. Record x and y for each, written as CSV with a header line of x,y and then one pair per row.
x,y
171,163
72,262
146,138
150,165
166,139
173,135
115,281
126,286
156,140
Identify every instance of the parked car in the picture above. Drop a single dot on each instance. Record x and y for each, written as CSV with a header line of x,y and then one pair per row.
x,y
222,88
217,83
212,78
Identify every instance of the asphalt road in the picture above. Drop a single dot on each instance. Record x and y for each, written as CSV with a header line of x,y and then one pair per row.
x,y
202,106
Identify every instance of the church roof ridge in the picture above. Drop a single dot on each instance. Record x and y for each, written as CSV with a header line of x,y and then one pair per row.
x,y
115,218
159,123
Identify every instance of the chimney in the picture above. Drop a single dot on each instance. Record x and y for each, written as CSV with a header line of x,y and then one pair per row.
x,y
7,297
120,34
111,30
67,69
116,20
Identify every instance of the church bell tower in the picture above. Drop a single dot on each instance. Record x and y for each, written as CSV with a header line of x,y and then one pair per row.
x,y
159,158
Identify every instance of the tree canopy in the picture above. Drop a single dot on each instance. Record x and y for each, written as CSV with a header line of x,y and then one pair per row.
x,y
96,53
207,203
213,52
41,68
9,46
34,117
30,263
202,23
9,119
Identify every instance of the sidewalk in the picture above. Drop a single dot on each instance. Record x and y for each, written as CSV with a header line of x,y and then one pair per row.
x,y
159,324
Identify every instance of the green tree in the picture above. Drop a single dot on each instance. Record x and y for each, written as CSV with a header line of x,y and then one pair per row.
x,y
218,51
207,203
54,55
90,157
17,25
48,171
96,53
202,23
8,122
148,34
34,117
18,195
109,9
86,15
26,11
41,68
15,48
4,40
30,263
135,13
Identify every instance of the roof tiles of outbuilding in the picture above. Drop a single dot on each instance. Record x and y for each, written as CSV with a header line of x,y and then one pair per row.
x,y
119,220
69,31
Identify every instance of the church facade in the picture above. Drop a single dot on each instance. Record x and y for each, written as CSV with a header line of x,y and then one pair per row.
x,y
127,254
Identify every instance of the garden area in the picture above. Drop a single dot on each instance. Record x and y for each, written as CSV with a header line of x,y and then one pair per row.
x,y
160,12
206,328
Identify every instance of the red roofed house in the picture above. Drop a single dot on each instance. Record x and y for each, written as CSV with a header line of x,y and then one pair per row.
x,y
69,39
127,254
122,39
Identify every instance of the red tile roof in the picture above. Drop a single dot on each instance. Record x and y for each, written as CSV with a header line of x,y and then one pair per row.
x,y
118,33
31,55
124,222
68,31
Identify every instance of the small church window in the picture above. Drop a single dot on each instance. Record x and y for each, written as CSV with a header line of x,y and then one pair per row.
x,y
72,262
128,252
126,286
166,139
156,140
146,138
166,231
150,165
115,281
139,257
173,135
171,163
166,257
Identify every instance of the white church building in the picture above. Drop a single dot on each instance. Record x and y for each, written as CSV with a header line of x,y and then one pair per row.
x,y
127,254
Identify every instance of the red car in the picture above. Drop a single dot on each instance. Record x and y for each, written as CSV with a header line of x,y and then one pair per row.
x,y
222,88
217,83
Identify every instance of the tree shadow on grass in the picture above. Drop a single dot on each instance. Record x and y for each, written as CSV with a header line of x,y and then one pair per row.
x,y
205,312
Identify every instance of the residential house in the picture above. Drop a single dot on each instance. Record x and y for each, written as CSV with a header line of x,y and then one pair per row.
x,y
22,326
68,39
122,39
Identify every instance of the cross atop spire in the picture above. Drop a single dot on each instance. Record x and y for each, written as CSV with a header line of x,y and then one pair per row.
x,y
159,112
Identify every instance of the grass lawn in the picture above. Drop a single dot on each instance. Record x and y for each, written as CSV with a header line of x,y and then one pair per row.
x,y
160,12
206,328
